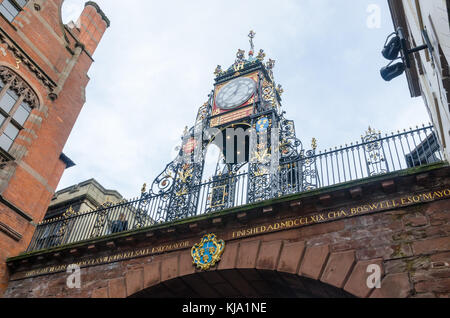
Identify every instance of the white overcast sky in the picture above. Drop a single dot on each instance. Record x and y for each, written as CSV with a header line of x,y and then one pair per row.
x,y
154,69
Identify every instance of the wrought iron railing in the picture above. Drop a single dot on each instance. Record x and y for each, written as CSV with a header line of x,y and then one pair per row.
x,y
373,155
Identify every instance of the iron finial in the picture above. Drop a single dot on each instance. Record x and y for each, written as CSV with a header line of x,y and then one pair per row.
x,y
261,55
314,143
240,56
270,64
280,89
218,70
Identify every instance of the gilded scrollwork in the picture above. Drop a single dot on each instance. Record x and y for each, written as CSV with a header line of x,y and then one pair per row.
x,y
218,71
373,147
261,55
64,224
240,56
268,93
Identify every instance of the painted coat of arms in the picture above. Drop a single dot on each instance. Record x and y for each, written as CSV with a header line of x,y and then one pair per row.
x,y
208,252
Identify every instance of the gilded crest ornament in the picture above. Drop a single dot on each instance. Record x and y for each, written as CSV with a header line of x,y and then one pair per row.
x,y
240,56
185,173
280,89
261,55
270,64
208,252
218,70
65,221
262,124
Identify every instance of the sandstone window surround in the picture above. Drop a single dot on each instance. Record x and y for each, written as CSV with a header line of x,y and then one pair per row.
x,y
11,8
17,100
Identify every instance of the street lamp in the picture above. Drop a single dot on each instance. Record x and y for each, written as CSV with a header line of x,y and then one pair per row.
x,y
390,72
392,48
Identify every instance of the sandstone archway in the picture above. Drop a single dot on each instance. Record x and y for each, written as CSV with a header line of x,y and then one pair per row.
x,y
404,242
247,283
251,268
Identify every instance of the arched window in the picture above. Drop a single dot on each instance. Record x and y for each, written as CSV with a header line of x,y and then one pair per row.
x,y
17,100
11,8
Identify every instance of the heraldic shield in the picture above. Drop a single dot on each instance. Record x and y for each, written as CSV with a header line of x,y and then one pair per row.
x,y
208,252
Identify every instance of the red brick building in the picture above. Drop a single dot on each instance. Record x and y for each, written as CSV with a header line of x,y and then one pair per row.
x,y
43,76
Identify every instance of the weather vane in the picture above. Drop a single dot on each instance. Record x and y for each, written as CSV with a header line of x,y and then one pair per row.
x,y
251,35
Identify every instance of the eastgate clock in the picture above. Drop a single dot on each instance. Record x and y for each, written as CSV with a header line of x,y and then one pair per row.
x,y
235,93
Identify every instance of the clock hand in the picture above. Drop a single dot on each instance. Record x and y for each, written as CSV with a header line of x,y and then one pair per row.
x,y
225,95
238,92
229,95
231,91
236,88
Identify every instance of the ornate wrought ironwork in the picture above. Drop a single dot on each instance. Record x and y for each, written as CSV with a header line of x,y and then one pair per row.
x,y
276,163
218,71
65,222
375,159
261,55
289,143
240,57
164,182
179,183
220,193
307,171
101,220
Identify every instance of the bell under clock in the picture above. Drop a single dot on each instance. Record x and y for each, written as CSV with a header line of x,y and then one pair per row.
x,y
235,93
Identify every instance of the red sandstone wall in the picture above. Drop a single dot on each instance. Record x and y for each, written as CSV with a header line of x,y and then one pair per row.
x,y
30,182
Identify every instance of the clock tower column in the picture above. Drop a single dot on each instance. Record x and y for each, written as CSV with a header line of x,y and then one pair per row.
x,y
243,117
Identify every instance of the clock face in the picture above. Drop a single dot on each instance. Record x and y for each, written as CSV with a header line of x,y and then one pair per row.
x,y
235,93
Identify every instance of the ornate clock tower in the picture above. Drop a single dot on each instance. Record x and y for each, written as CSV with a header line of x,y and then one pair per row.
x,y
259,148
